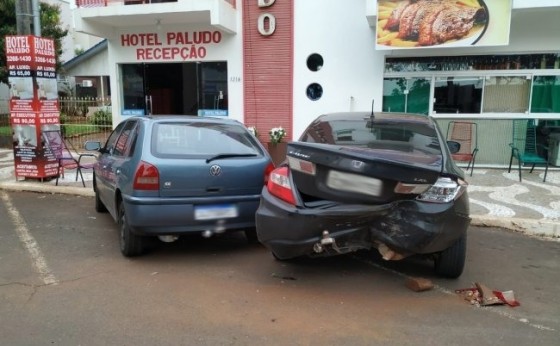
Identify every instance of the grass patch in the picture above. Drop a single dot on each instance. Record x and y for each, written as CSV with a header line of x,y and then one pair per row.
x,y
69,130
5,131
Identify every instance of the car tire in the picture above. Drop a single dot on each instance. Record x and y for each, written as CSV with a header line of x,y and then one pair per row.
x,y
278,258
130,244
450,262
99,206
251,235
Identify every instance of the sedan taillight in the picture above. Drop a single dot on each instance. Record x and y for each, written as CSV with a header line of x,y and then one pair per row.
x,y
444,190
279,185
267,172
146,177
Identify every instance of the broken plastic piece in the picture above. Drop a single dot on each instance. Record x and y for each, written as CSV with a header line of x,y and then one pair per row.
x,y
507,297
484,296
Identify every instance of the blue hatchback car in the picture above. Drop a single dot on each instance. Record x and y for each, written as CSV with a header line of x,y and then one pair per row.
x,y
168,176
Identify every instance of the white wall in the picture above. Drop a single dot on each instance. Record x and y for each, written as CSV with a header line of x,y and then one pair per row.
x,y
74,40
94,66
229,49
352,73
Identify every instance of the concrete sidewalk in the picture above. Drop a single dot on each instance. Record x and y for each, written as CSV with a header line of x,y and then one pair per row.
x,y
497,198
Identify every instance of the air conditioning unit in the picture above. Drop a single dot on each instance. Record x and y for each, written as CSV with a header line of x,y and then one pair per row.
x,y
86,83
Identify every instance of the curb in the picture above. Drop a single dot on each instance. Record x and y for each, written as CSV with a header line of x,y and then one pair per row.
x,y
67,190
538,228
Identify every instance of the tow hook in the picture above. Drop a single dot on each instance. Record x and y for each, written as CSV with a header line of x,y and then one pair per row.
x,y
326,240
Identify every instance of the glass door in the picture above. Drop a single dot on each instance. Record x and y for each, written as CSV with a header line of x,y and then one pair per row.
x,y
133,90
198,88
212,88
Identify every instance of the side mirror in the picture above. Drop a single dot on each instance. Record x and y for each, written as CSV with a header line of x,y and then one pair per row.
x,y
454,146
92,145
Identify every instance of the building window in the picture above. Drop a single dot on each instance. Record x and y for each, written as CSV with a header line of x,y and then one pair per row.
x,y
506,94
314,91
409,95
458,95
315,62
497,85
546,94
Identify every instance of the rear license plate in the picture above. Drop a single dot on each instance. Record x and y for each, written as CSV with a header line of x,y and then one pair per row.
x,y
354,183
210,212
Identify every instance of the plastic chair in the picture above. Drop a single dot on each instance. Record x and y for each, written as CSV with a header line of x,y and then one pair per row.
x,y
66,159
524,147
466,133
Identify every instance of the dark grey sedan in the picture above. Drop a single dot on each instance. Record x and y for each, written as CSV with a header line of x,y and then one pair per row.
x,y
167,176
361,180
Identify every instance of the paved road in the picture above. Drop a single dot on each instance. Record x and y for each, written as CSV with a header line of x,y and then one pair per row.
x,y
63,282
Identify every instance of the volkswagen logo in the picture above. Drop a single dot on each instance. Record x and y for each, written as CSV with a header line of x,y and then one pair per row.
x,y
215,170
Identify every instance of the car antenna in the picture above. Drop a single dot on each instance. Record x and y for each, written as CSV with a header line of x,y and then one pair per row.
x,y
372,116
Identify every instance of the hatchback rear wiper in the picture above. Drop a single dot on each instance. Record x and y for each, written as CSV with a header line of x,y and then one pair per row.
x,y
226,156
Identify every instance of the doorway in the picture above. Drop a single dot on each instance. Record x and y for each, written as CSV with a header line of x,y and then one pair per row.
x,y
194,88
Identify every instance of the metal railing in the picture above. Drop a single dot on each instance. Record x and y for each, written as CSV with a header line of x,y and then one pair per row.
x,y
81,120
78,133
82,106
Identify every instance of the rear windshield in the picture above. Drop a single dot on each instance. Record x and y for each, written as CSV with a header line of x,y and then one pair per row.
x,y
199,139
381,134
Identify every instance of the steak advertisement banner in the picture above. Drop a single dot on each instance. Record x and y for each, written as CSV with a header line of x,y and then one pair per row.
x,y
34,108
417,24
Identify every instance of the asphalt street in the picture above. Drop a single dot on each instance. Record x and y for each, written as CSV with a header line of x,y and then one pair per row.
x,y
63,281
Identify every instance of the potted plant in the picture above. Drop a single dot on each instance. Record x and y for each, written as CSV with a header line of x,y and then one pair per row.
x,y
276,146
276,135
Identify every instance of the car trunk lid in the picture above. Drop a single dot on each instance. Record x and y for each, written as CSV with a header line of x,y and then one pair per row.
x,y
355,174
232,176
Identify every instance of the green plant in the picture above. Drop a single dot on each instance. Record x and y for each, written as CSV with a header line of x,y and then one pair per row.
x,y
253,130
101,117
276,134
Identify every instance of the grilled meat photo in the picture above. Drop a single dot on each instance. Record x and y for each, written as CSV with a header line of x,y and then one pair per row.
x,y
432,22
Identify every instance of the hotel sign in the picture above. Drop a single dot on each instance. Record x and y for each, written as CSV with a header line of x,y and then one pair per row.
x,y
34,108
172,46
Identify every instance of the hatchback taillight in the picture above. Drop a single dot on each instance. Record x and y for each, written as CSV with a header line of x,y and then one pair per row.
x,y
146,177
279,185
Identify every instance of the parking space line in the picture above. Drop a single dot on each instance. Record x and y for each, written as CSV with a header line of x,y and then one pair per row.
x,y
37,259
450,292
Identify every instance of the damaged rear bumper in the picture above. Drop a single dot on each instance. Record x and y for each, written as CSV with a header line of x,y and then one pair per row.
x,y
403,227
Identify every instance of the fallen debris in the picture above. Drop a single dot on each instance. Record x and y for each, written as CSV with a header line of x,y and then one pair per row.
x,y
483,296
274,275
419,284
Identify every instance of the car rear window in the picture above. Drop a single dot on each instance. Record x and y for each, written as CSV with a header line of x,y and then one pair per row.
x,y
199,139
384,135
